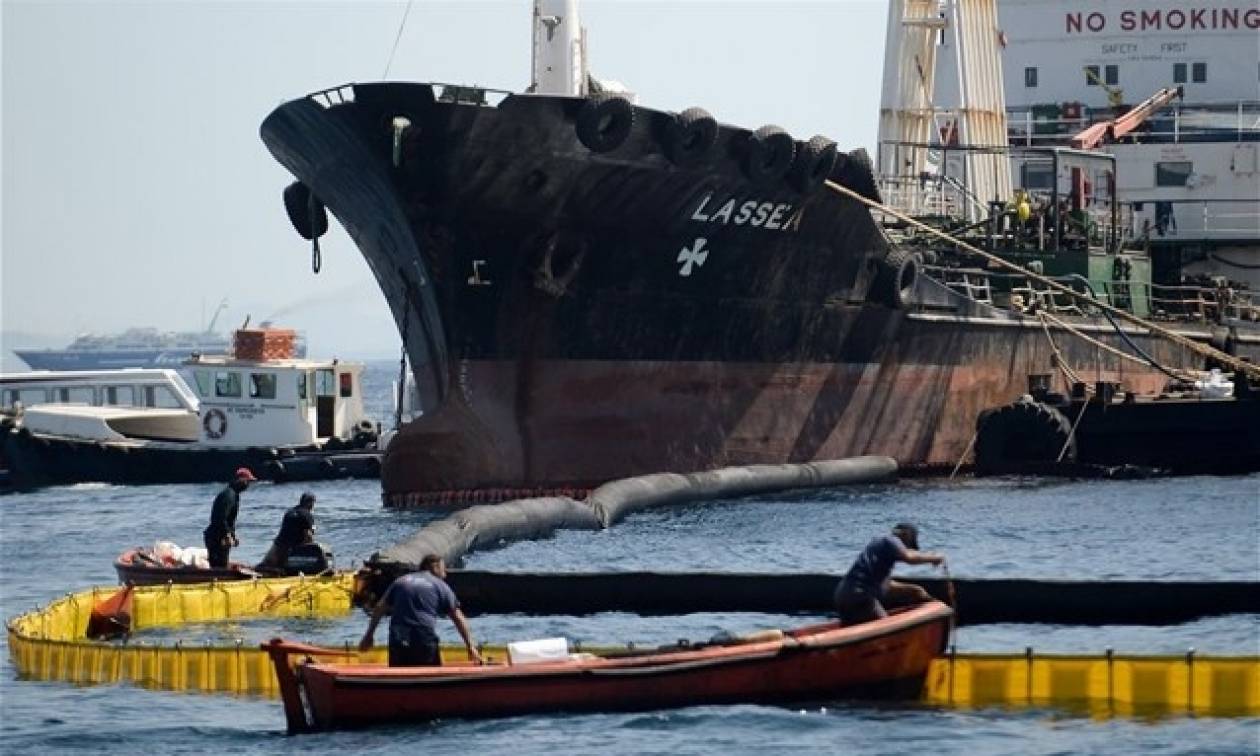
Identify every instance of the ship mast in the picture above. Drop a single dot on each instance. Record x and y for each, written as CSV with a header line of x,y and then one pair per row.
x,y
559,51
911,118
222,306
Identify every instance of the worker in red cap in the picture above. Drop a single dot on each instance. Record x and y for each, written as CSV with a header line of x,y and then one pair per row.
x,y
220,534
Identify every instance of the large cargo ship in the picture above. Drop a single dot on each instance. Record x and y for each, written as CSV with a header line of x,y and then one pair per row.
x,y
589,289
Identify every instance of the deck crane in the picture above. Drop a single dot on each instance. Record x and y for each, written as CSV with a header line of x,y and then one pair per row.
x,y
1109,131
1115,95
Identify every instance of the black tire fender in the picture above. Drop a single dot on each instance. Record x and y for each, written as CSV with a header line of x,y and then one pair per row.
x,y
814,162
1223,339
274,470
604,122
857,173
769,155
1020,433
689,136
895,278
306,212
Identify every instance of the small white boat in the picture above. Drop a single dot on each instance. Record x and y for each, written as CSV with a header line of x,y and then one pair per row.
x,y
261,408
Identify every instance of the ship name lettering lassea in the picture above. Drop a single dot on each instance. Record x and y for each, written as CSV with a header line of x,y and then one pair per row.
x,y
770,215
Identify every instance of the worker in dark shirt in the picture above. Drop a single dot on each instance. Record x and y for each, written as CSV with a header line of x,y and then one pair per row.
x,y
414,602
297,528
861,595
220,534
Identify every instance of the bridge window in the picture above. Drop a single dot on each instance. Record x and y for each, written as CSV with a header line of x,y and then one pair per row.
x,y
26,396
1173,174
202,379
1037,176
301,386
1198,72
227,384
123,396
325,383
161,396
1092,75
347,384
262,385
1179,73
1030,77
76,395
1113,74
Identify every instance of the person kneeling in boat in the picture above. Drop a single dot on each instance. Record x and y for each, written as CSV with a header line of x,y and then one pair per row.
x,y
861,594
297,528
414,602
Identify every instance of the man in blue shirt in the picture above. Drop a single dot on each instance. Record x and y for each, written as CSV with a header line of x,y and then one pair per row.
x,y
861,594
414,602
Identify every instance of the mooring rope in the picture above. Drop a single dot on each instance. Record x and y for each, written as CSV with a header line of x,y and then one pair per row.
x,y
1181,376
1059,360
401,25
1072,432
1202,350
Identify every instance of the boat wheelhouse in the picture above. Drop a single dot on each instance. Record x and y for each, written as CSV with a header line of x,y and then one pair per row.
x,y
283,417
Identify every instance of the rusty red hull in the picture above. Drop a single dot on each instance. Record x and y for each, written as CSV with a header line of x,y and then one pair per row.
x,y
815,663
912,391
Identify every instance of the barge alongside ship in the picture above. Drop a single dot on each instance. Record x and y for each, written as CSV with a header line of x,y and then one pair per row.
x,y
589,289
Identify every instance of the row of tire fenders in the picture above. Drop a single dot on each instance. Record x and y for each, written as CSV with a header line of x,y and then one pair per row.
x,y
604,122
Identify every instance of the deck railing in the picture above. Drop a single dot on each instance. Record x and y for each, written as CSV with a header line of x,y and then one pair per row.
x,y
1012,291
1233,121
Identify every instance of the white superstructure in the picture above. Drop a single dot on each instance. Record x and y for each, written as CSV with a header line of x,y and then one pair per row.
x,y
559,49
1209,47
1189,177
910,117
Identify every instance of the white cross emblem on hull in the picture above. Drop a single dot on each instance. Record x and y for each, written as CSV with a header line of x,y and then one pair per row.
x,y
695,255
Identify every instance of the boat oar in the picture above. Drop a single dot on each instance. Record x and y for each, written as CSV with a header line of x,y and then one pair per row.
x,y
282,646
951,597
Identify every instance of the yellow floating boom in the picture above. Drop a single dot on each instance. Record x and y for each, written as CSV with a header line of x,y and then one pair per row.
x,y
1108,685
49,644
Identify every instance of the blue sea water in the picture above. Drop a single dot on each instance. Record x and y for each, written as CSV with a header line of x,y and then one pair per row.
x,y
65,538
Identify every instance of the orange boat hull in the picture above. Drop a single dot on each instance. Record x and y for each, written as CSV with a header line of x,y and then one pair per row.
x,y
877,658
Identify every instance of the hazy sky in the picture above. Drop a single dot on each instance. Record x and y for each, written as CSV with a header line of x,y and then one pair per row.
x,y
136,190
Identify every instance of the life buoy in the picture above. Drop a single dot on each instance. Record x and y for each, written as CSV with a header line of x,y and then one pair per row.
x,y
769,156
689,136
306,212
813,164
604,122
214,423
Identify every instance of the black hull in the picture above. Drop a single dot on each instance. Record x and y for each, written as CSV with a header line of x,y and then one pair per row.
x,y
565,330
34,460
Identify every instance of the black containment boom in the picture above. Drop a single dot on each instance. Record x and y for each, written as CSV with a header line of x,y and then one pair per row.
x,y
977,601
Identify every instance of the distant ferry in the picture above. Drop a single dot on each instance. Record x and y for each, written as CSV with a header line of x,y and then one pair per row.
x,y
133,348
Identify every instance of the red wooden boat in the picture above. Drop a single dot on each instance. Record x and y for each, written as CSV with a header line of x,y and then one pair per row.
x,y
140,567
881,658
